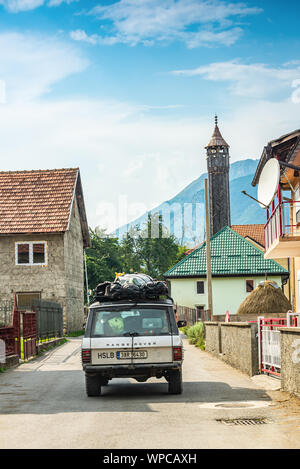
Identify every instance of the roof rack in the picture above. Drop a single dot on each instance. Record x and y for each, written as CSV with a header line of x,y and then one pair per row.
x,y
135,287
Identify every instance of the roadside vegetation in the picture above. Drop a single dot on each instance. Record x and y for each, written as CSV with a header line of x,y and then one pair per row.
x,y
195,334
75,333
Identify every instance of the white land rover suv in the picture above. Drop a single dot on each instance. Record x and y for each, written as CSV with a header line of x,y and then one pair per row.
x,y
132,339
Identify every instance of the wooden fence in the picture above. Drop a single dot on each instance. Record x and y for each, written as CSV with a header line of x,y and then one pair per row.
x,y
186,314
191,315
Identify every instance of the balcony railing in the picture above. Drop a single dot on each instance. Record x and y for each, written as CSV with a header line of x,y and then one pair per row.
x,y
279,222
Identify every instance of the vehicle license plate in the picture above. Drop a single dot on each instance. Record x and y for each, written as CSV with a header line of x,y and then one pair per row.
x,y
122,355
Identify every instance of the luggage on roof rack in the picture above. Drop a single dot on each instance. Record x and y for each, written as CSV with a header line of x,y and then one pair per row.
x,y
131,287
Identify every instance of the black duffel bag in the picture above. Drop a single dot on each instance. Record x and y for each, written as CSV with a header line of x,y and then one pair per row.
x,y
154,289
100,289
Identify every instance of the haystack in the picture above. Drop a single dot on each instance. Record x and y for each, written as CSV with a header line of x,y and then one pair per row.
x,y
267,298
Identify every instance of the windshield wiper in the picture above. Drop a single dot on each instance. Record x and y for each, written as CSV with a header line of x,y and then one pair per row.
x,y
131,334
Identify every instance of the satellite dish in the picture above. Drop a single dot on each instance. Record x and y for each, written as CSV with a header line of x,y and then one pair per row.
x,y
268,183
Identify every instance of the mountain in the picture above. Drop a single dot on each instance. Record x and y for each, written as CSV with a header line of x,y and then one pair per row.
x,y
184,214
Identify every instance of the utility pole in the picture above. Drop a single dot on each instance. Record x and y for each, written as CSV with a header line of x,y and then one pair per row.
x,y
208,254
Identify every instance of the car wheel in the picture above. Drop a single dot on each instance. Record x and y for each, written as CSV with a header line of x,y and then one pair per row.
x,y
92,385
175,382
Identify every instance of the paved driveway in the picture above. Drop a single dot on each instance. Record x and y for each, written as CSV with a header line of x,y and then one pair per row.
x,y
43,405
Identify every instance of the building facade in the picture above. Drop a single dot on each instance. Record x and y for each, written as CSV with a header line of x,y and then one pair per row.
x,y
43,233
282,229
256,235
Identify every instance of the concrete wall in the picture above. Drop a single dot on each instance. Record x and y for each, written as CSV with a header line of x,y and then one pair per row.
x,y
239,346
290,360
235,343
74,273
228,292
212,338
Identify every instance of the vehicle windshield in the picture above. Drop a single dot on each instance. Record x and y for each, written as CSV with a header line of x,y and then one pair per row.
x,y
133,321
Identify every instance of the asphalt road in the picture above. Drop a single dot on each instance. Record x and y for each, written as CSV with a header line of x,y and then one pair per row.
x,y
43,405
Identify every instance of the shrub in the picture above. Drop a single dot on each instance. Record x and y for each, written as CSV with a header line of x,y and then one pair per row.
x,y
75,333
184,329
195,335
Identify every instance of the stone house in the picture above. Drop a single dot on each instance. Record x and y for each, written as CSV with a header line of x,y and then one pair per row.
x,y
43,234
237,268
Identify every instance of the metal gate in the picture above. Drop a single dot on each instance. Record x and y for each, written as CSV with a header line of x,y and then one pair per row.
x,y
269,350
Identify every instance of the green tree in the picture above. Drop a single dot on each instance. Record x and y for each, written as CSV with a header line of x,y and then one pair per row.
x,y
152,249
103,258
130,256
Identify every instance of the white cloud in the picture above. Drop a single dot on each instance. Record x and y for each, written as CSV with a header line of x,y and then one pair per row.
x,y
15,6
254,80
31,65
207,38
56,3
145,21
80,35
123,151
192,40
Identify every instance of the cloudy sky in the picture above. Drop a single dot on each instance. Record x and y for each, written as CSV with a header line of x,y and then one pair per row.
x,y
127,89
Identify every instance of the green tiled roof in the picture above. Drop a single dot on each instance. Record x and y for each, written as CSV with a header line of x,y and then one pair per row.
x,y
231,254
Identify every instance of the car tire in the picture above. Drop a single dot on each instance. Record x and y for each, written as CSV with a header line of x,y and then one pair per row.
x,y
175,382
92,385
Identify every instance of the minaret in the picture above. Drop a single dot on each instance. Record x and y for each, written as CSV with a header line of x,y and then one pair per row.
x,y
218,176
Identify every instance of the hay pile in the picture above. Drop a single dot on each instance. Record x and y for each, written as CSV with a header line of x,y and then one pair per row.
x,y
267,298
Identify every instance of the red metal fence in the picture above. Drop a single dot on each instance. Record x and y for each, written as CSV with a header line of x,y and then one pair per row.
x,y
279,221
29,334
269,348
10,334
21,330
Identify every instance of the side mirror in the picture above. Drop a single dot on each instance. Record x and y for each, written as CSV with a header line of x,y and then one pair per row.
x,y
181,324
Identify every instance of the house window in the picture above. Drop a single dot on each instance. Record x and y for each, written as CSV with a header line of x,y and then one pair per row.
x,y
200,288
31,253
249,286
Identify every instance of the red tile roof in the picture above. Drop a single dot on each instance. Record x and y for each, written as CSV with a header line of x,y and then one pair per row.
x,y
255,232
36,201
189,251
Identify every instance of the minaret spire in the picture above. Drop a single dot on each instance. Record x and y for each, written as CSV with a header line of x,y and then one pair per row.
x,y
217,139
218,175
